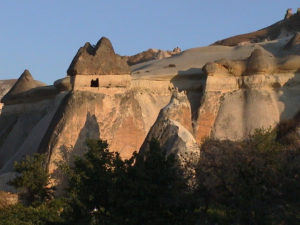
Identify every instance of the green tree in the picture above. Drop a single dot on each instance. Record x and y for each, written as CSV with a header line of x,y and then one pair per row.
x,y
47,213
33,179
146,189
154,190
250,182
91,181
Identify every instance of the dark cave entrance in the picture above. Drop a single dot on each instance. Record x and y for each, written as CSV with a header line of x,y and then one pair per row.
x,y
95,83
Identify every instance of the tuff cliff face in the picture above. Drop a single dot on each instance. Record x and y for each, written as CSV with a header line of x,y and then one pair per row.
x,y
225,92
99,59
258,89
5,86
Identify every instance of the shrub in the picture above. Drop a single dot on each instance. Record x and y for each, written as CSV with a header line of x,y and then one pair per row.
x,y
32,179
252,181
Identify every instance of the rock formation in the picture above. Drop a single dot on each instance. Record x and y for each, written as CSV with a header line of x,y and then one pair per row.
x,y
100,59
259,62
294,41
24,83
26,89
150,54
288,14
5,86
225,92
284,28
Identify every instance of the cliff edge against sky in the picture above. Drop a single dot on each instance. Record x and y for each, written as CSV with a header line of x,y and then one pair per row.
x,y
225,91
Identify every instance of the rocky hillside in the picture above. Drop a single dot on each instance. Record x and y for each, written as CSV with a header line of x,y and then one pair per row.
x,y
284,28
225,92
150,54
5,86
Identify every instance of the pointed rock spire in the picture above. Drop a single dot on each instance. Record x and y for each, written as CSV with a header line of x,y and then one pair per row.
x,y
23,84
100,59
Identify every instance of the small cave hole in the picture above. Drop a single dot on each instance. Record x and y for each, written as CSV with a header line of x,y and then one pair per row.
x,y
95,83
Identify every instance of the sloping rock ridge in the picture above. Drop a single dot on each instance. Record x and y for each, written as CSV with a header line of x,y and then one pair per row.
x,y
286,27
150,54
27,89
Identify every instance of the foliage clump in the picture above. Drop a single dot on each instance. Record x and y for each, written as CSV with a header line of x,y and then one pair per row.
x,y
254,181
103,187
33,179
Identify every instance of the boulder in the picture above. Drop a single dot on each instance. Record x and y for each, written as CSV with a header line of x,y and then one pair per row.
x,y
63,84
100,59
260,61
225,66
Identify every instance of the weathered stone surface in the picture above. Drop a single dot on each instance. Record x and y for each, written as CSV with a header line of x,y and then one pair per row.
x,y
246,89
173,129
294,41
100,59
5,86
63,84
288,26
24,84
288,14
261,61
225,66
150,54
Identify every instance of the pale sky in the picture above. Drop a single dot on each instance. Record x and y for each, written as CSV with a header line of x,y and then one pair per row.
x,y
44,36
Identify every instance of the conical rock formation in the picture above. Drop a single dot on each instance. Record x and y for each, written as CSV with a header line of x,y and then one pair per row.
x,y
98,60
23,84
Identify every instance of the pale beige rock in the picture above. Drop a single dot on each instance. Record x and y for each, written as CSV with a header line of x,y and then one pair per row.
x,y
178,105
64,84
8,199
174,131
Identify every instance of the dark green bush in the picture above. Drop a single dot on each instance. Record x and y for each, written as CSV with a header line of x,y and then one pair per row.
x,y
255,181
33,179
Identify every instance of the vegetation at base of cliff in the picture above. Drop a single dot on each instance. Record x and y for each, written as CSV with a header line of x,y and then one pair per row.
x,y
255,181
105,188
33,180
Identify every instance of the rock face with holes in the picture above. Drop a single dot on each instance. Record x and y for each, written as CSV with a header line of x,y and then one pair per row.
x,y
225,92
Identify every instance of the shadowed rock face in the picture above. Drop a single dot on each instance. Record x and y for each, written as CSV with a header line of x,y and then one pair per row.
x,y
253,86
5,86
24,84
295,40
98,60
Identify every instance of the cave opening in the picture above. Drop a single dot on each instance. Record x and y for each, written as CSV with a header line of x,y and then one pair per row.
x,y
95,83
